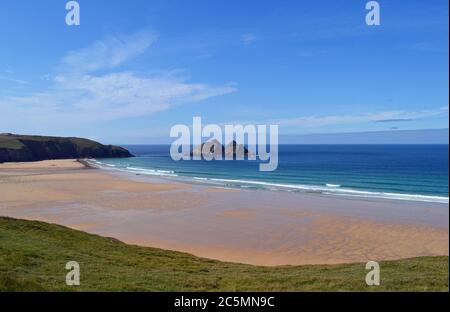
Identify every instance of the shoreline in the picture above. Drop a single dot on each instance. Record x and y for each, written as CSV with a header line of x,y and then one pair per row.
x,y
241,184
86,163
262,228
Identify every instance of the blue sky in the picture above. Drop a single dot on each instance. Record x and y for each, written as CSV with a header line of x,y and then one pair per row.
x,y
132,70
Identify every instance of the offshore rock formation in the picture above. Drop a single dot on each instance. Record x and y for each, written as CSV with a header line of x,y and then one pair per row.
x,y
213,149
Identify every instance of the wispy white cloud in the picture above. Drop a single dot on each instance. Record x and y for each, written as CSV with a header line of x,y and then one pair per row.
x,y
248,38
9,79
329,120
108,53
113,96
80,94
427,46
316,122
309,53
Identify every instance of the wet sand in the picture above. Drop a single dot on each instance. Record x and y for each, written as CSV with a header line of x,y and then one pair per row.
x,y
248,226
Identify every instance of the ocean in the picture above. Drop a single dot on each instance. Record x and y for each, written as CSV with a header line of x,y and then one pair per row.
x,y
402,172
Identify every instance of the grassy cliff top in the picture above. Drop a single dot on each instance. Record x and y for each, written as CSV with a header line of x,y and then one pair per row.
x,y
33,257
15,141
18,148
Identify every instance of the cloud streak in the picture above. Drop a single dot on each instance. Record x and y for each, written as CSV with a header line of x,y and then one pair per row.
x,y
108,53
80,94
9,79
248,38
331,120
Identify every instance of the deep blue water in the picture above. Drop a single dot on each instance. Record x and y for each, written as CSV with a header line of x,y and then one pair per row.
x,y
413,172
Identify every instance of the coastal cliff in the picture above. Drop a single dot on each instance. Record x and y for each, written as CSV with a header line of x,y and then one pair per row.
x,y
20,148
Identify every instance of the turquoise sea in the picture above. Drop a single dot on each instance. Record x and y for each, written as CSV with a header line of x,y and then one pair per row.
x,y
403,172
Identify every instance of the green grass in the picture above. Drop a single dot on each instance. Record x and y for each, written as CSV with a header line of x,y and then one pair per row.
x,y
13,141
33,257
10,142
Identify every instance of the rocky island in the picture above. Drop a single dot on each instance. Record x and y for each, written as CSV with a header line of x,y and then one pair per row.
x,y
214,149
21,148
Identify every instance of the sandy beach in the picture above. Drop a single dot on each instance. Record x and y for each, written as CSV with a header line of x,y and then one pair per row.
x,y
247,226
